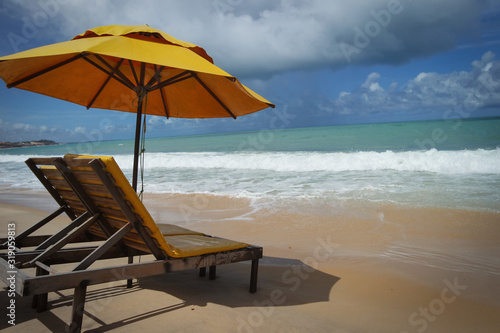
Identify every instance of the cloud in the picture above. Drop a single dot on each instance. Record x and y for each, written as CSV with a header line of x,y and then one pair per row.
x,y
23,132
158,121
371,83
276,47
468,91
263,38
18,132
80,130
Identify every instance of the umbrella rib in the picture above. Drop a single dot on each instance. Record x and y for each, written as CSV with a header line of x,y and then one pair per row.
x,y
110,73
155,77
178,78
115,72
164,103
143,73
213,95
103,85
46,70
132,69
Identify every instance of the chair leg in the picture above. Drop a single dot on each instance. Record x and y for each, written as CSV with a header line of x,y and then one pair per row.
x,y
129,281
253,275
212,272
78,307
203,271
40,301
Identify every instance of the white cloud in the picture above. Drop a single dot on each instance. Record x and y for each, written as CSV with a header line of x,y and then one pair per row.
x,y
261,38
158,121
22,127
478,88
371,83
80,130
24,132
17,132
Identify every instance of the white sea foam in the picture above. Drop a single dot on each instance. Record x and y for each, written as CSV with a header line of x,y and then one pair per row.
x,y
444,162
465,178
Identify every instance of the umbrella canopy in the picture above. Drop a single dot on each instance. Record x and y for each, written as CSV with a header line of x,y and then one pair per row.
x,y
125,67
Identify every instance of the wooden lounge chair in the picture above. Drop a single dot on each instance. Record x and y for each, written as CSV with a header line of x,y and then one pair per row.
x,y
107,221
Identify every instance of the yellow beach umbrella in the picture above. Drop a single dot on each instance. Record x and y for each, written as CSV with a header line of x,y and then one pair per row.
x,y
128,68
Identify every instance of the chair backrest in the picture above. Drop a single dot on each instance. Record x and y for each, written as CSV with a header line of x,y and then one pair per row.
x,y
96,184
52,179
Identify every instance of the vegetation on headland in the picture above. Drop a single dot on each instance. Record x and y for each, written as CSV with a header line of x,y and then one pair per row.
x,y
27,144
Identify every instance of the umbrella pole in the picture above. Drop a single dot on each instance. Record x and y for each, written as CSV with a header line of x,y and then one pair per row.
x,y
135,170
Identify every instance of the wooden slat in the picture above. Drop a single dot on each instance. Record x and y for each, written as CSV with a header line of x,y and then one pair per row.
x,y
76,205
86,176
96,231
78,162
132,239
44,160
104,201
51,173
116,214
96,189
117,224
132,235
60,184
79,211
137,246
135,237
69,194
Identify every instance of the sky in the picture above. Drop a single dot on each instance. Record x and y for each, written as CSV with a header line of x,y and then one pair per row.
x,y
320,62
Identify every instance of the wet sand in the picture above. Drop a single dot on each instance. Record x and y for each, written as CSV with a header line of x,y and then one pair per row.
x,y
328,267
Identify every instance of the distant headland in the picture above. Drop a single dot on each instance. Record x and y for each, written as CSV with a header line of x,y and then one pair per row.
x,y
27,144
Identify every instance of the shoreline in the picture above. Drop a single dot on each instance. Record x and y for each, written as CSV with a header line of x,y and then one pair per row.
x,y
365,267
22,196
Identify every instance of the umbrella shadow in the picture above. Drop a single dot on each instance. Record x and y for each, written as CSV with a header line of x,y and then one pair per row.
x,y
290,280
281,282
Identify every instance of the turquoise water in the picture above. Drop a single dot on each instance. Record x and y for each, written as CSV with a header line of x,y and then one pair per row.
x,y
454,164
408,136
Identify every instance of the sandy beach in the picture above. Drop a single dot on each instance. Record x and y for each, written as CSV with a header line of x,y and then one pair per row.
x,y
358,267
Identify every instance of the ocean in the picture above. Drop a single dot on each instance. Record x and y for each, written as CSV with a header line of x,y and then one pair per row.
x,y
446,164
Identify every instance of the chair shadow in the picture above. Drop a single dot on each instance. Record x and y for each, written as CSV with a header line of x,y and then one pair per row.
x,y
281,282
295,282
